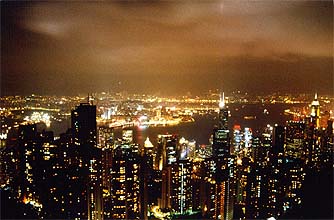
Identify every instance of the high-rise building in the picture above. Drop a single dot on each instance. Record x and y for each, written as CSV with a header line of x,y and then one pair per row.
x,y
293,178
255,186
176,191
106,144
248,189
276,186
182,187
295,134
221,143
147,176
125,184
167,151
90,157
257,152
237,139
83,119
28,149
105,137
248,137
41,170
315,111
71,184
127,136
222,158
313,132
328,144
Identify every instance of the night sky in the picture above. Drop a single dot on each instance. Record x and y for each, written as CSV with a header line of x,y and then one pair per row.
x,y
169,47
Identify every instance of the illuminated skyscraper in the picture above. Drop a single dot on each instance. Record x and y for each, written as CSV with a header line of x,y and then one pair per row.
x,y
39,170
183,187
313,136
328,143
186,148
148,152
222,158
28,149
315,111
255,188
127,136
295,134
147,175
276,186
248,137
85,139
105,137
176,193
237,139
257,150
125,184
73,181
221,142
223,114
106,144
248,189
167,151
84,125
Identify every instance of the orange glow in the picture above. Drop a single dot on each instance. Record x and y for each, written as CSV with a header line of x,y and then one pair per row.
x,y
25,200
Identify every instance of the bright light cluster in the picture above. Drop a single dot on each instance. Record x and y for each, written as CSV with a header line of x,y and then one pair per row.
x,y
37,117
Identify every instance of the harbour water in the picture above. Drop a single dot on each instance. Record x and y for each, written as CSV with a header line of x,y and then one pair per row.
x,y
254,116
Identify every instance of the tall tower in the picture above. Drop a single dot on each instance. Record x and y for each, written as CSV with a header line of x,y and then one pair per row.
x,y
28,150
167,151
125,183
223,113
222,159
85,139
84,125
315,111
221,134
313,140
147,175
276,182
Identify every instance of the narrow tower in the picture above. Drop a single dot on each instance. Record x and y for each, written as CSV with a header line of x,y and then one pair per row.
x,y
315,111
222,158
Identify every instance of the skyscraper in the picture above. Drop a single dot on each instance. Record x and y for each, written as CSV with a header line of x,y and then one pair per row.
x,y
222,158
315,111
85,139
28,149
237,139
147,176
221,142
275,185
83,119
125,183
167,148
313,135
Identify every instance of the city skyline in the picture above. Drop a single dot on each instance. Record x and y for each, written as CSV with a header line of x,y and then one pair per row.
x,y
166,109
92,172
166,47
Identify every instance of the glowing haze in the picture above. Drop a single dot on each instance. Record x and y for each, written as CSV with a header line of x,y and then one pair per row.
x,y
170,47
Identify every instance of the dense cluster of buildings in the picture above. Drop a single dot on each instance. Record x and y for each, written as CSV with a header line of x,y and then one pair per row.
x,y
86,173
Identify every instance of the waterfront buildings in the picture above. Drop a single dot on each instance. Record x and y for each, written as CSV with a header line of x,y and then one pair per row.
x,y
90,174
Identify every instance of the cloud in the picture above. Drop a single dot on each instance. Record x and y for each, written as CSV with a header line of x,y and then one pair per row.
x,y
152,39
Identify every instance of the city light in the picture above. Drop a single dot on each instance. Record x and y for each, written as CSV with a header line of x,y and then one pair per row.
x,y
172,110
37,117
